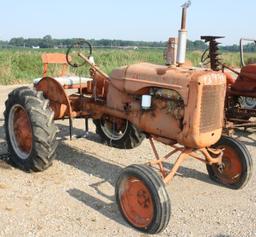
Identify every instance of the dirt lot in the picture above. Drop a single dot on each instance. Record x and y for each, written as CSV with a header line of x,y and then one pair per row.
x,y
75,197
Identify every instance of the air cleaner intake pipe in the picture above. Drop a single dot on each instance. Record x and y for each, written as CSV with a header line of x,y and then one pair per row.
x,y
183,35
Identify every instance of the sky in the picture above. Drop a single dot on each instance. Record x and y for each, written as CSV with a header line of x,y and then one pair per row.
x,y
149,20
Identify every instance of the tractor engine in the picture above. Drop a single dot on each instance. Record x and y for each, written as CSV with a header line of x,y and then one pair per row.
x,y
181,105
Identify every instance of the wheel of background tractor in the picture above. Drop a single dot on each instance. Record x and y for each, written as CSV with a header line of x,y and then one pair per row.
x,y
30,130
247,102
142,199
236,170
118,133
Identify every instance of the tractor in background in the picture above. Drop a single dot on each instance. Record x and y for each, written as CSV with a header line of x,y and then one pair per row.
x,y
240,104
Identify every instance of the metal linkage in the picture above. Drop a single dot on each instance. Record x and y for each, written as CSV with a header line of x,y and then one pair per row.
x,y
211,156
213,56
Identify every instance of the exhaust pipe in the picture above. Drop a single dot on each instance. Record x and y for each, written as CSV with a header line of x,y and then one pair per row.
x,y
183,35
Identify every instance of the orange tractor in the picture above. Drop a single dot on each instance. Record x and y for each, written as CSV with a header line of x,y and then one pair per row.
x,y
240,103
175,105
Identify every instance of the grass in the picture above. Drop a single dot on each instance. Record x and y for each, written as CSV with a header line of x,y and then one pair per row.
x,y
21,66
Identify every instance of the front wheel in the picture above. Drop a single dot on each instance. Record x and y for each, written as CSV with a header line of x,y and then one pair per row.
x,y
236,168
118,133
142,199
30,130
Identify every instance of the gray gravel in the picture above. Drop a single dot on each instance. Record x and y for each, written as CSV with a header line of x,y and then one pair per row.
x,y
75,197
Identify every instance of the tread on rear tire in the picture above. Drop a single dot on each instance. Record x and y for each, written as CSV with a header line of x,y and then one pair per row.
x,y
35,108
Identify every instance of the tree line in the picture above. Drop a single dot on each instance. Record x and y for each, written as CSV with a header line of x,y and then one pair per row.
x,y
49,42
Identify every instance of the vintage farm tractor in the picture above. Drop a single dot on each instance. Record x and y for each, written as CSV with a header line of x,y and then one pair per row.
x,y
178,106
240,103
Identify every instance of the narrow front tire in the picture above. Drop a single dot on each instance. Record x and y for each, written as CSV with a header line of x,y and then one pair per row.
x,y
236,168
142,199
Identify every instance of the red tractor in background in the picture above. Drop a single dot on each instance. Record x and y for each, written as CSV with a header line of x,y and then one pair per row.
x,y
241,91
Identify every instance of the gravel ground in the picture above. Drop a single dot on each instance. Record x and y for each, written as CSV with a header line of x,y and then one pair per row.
x,y
75,197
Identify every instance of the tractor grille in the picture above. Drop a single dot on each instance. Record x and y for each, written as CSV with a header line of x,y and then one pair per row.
x,y
212,108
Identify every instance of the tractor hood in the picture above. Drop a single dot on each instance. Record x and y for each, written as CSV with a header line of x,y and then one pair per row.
x,y
133,78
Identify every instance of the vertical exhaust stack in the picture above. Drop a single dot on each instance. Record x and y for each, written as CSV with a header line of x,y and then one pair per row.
x,y
183,35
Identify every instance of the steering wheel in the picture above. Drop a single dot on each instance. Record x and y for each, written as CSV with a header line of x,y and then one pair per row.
x,y
73,53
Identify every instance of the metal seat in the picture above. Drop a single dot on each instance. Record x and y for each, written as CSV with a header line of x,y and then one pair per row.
x,y
67,81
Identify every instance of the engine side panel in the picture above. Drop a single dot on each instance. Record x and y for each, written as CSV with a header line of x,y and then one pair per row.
x,y
202,91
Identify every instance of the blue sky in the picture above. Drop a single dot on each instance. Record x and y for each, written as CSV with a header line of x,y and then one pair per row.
x,y
148,20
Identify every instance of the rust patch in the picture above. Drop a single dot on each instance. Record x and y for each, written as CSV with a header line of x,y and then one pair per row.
x,y
59,100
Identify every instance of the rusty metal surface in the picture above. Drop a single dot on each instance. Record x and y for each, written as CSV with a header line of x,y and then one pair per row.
x,y
59,101
161,120
54,58
185,7
183,118
133,78
213,52
241,116
191,135
211,108
210,156
99,83
170,54
242,86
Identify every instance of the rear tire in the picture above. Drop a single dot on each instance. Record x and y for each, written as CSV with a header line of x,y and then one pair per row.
x,y
236,170
30,130
142,199
127,137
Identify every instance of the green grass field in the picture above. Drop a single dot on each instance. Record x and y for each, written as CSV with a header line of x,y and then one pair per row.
x,y
21,66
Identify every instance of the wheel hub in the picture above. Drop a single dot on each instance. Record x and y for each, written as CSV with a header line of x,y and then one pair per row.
x,y
114,130
143,199
230,170
136,202
221,168
20,131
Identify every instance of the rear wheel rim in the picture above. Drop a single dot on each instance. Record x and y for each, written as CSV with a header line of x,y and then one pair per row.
x,y
112,131
20,131
231,169
136,202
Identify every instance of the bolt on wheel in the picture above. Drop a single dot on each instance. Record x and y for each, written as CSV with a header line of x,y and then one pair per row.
x,y
142,199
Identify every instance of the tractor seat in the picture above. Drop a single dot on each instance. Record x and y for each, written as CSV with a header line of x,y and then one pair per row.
x,y
248,72
67,81
246,81
250,68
